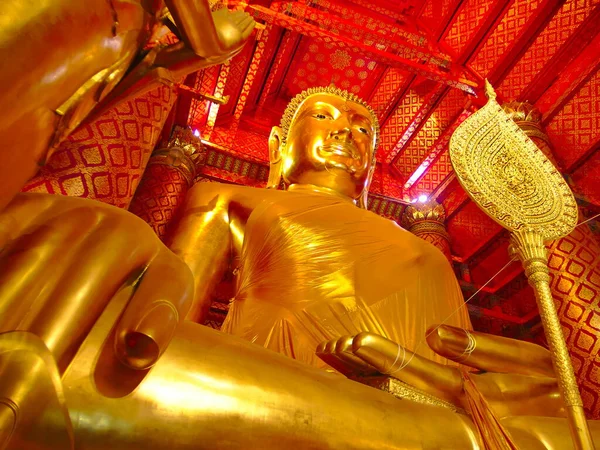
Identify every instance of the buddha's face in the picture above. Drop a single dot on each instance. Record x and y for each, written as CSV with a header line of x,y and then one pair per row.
x,y
330,143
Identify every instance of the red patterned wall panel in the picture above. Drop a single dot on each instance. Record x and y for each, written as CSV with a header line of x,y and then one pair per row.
x,y
558,30
435,11
268,57
574,263
576,127
453,197
465,25
506,32
470,228
385,183
105,159
435,168
570,80
235,78
434,175
285,51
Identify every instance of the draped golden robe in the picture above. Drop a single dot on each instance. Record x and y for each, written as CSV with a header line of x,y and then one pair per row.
x,y
315,267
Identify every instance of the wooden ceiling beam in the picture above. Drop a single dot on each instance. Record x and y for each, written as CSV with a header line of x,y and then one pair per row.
x,y
577,43
491,21
543,14
374,53
413,128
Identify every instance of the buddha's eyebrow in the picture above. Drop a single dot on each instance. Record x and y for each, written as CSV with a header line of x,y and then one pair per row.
x,y
362,118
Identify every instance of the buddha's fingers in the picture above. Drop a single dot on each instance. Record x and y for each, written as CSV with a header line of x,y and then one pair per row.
x,y
324,352
390,358
160,302
343,350
337,353
490,353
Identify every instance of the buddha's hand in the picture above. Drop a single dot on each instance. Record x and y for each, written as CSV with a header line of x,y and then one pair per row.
x,y
515,376
233,28
62,259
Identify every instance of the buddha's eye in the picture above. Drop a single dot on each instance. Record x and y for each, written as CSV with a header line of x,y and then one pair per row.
x,y
363,130
320,116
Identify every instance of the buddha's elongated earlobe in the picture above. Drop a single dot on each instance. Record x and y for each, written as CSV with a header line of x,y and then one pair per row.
x,y
362,199
275,159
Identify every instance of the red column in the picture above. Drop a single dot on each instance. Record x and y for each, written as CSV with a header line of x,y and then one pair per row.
x,y
170,173
426,220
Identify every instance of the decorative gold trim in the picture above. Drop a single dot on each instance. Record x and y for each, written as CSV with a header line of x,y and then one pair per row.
x,y
403,391
184,152
429,226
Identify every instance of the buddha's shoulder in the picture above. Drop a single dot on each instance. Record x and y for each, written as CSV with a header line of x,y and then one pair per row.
x,y
232,192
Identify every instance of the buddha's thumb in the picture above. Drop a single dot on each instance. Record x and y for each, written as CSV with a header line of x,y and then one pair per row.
x,y
150,320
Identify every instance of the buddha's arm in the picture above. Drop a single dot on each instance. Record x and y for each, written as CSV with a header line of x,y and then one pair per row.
x,y
203,239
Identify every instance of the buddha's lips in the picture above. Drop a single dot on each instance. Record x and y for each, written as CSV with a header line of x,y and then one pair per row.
x,y
345,149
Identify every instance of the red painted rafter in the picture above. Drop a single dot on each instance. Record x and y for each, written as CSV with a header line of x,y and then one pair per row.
x,y
382,7
372,52
454,12
436,151
391,42
395,100
416,123
543,14
491,21
287,46
570,81
571,48
341,9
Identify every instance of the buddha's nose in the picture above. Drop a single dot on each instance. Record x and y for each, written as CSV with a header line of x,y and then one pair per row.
x,y
343,134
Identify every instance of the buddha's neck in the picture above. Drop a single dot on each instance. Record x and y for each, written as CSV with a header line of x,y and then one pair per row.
x,y
320,190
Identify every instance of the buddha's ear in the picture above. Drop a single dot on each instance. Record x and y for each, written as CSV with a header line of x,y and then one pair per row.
x,y
275,148
362,199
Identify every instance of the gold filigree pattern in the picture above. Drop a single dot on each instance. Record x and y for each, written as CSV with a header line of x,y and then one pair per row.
x,y
508,176
426,220
403,391
184,152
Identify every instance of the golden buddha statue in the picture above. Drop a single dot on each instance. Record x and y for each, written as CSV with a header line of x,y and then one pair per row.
x,y
65,58
100,346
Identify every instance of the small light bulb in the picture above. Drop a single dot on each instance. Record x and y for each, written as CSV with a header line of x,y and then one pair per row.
x,y
196,133
422,198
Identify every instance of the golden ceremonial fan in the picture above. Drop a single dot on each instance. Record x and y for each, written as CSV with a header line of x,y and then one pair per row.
x,y
514,183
